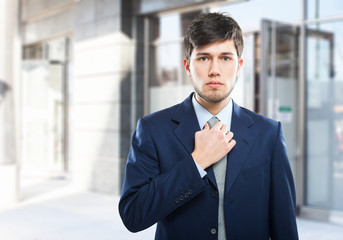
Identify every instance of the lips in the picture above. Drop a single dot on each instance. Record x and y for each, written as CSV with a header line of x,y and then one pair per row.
x,y
214,84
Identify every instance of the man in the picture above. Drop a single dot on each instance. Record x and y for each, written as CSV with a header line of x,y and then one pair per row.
x,y
207,168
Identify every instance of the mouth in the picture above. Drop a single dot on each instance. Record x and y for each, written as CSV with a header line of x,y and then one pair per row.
x,y
214,84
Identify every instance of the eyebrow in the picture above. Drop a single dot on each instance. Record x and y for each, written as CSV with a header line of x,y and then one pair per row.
x,y
207,54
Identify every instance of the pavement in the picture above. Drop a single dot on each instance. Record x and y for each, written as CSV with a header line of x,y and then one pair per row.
x,y
53,210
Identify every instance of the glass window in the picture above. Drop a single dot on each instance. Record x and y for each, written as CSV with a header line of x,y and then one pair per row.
x,y
324,115
166,70
34,52
53,50
249,14
168,81
57,49
170,27
165,51
324,8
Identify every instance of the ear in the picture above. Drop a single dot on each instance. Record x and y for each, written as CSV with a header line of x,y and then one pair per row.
x,y
187,67
240,65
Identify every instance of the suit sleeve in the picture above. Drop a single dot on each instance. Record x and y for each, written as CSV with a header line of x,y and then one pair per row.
x,y
282,194
149,195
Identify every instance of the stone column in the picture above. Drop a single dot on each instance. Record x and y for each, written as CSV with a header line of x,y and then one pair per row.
x,y
103,68
9,62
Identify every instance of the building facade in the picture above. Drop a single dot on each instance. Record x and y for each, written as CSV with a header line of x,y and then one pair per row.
x,y
89,69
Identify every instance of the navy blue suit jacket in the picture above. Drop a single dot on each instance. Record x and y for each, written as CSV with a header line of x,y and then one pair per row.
x,y
162,184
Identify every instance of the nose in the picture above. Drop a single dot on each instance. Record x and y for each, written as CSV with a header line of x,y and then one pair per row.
x,y
214,70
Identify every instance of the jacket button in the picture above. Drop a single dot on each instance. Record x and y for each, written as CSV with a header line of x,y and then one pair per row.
x,y
181,198
214,194
213,231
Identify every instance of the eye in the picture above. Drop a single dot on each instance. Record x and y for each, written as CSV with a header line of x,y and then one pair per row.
x,y
225,58
203,59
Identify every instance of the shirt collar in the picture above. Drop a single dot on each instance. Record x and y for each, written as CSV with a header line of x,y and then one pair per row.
x,y
203,115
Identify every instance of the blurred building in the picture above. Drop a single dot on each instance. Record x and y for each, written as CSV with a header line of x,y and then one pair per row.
x,y
75,75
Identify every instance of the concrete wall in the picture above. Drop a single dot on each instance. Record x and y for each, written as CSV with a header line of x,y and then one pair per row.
x,y
45,19
102,107
35,8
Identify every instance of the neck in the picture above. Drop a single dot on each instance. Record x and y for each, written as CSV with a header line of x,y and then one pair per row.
x,y
213,107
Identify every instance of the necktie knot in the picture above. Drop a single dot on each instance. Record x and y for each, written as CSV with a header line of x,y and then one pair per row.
x,y
213,121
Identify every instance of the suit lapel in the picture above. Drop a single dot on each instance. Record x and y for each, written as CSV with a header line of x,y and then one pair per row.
x,y
187,124
244,137
185,131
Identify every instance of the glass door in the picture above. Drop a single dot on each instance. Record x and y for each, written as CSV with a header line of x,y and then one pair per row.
x,y
279,80
324,135
43,118
45,77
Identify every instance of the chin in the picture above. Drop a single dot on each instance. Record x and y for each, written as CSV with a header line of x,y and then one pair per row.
x,y
214,97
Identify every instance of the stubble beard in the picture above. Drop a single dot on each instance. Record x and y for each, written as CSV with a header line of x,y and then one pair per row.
x,y
212,96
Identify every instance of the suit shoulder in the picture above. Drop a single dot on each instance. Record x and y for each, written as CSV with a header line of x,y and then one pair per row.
x,y
260,119
265,129
160,116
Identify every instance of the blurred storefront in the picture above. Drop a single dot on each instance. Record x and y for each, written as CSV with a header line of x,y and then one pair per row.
x,y
90,69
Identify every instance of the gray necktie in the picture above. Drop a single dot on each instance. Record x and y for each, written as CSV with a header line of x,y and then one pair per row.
x,y
219,169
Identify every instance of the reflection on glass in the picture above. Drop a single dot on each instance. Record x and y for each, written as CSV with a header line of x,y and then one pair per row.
x,y
168,82
33,52
170,27
44,104
279,78
282,11
168,64
43,118
57,50
324,116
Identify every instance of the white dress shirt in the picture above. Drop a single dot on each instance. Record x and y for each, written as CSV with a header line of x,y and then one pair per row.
x,y
203,116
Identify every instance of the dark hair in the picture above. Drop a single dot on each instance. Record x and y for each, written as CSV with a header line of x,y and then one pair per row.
x,y
211,27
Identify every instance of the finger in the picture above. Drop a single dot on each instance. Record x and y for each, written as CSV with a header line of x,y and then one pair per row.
x,y
225,129
206,127
229,136
217,126
232,143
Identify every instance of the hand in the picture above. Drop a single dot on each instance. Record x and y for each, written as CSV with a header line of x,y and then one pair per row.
x,y
212,144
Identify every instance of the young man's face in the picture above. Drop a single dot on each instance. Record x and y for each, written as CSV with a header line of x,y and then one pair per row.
x,y
213,70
